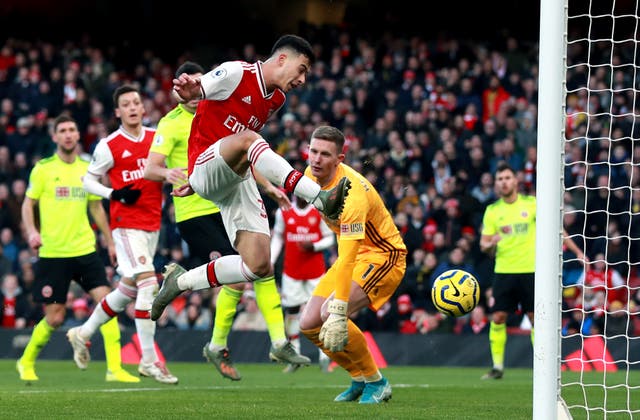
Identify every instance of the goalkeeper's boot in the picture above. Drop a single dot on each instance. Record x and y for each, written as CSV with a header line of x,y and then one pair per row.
x,y
493,374
27,371
80,347
333,200
157,371
376,392
168,291
352,393
121,375
222,361
288,354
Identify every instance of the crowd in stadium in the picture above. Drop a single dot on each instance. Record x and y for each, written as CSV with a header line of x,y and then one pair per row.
x,y
427,121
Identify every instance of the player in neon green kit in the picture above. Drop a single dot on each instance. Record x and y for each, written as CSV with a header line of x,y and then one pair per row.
x,y
200,225
509,231
67,246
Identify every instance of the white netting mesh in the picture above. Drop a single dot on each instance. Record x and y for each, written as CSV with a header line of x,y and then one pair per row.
x,y
601,296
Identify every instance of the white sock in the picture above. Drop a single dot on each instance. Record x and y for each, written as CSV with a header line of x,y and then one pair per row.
x,y
277,170
292,328
145,327
229,269
115,303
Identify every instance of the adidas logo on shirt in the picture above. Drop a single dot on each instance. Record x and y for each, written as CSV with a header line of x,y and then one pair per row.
x,y
126,154
247,100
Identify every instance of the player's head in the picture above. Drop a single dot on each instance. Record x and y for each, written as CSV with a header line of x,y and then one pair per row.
x,y
128,105
65,134
506,181
293,56
325,152
192,69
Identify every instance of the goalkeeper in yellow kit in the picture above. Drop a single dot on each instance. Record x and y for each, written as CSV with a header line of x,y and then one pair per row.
x,y
371,263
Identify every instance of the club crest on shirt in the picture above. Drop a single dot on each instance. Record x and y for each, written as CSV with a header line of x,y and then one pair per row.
x,y
47,291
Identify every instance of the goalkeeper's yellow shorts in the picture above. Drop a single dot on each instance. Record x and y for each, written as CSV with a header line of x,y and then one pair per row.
x,y
378,274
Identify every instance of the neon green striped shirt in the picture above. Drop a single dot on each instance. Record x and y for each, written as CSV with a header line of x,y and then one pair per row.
x,y
516,224
172,139
62,200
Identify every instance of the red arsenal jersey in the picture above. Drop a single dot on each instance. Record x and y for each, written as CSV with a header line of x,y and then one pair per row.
x,y
128,158
235,99
299,226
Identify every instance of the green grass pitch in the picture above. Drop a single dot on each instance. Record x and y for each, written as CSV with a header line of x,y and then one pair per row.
x,y
64,392
264,392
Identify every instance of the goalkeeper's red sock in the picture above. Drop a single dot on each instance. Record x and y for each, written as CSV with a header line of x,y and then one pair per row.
x,y
341,358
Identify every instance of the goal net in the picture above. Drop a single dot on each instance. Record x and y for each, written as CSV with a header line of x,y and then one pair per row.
x,y
599,206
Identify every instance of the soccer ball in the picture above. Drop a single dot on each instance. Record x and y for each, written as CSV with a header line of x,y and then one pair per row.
x,y
455,292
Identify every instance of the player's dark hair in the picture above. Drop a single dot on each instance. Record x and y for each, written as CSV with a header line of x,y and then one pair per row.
x,y
121,91
63,118
504,166
295,43
189,67
332,134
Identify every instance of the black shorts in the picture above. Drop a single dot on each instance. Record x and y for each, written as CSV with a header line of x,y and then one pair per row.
x,y
206,237
54,275
509,290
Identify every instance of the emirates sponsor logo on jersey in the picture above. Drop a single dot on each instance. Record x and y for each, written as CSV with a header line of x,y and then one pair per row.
x,y
247,99
233,124
128,176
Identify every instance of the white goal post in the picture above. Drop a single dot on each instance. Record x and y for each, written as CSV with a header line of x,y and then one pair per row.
x,y
587,325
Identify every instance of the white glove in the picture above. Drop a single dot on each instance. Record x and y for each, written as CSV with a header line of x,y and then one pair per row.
x,y
334,333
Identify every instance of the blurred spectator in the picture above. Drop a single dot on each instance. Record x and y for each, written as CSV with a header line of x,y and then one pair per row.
x,y
250,319
455,261
79,313
14,303
10,247
195,316
407,324
477,322
417,280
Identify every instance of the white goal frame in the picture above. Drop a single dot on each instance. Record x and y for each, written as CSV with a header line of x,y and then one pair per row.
x,y
555,20
549,189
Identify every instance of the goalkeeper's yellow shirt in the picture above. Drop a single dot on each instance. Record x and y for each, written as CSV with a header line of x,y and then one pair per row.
x,y
516,224
62,202
365,215
172,140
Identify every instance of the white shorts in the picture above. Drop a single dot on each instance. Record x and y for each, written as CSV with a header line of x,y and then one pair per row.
x,y
296,292
238,198
135,250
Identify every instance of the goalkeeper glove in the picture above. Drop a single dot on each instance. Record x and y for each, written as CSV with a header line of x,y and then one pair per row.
x,y
334,333
126,195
